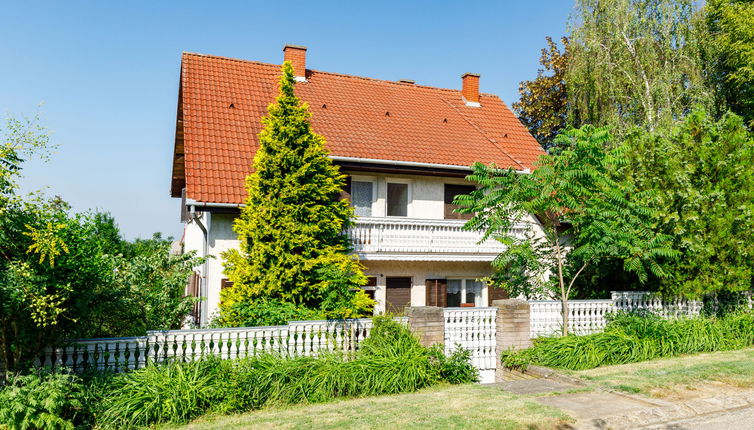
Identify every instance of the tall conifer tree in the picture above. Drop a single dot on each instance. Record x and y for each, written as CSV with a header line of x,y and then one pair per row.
x,y
293,249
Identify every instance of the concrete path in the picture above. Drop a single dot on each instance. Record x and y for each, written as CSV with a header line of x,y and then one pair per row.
x,y
595,408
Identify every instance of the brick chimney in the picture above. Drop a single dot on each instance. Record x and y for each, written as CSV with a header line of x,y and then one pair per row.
x,y
470,88
297,56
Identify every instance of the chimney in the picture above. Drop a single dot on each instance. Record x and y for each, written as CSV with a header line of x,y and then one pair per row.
x,y
297,56
470,89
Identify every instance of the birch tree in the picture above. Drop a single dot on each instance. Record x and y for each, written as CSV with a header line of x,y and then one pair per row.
x,y
635,63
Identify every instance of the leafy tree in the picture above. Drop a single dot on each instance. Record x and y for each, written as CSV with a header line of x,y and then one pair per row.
x,y
731,57
292,242
65,275
584,213
543,107
702,182
635,63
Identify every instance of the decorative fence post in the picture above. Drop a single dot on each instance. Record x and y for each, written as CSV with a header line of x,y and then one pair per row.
x,y
427,322
513,329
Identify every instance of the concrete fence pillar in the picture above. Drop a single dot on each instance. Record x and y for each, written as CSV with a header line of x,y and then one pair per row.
x,y
428,323
513,328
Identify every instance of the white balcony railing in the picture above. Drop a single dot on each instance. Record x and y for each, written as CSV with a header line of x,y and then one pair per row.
x,y
420,236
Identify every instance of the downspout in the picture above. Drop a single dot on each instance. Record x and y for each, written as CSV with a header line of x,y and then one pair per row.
x,y
204,305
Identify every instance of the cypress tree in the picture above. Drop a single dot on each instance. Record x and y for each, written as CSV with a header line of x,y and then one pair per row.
x,y
294,253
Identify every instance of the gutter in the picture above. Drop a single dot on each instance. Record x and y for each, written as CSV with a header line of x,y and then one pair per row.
x,y
204,305
407,163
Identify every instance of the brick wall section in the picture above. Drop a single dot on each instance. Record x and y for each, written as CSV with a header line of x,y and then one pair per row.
x,y
513,328
297,56
428,323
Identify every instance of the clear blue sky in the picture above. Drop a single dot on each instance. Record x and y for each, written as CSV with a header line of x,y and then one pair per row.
x,y
107,73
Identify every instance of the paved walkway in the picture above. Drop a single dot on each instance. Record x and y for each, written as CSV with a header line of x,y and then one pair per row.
x,y
595,408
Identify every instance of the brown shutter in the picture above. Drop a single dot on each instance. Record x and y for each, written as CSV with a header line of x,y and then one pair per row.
x,y
451,191
437,292
495,293
346,192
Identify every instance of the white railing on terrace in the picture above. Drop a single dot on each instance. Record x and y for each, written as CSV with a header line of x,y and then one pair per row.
x,y
406,235
473,329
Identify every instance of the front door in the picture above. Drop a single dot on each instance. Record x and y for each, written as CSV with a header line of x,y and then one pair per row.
x,y
397,294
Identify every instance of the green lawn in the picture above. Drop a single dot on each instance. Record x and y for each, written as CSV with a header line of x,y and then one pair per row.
x,y
443,407
662,377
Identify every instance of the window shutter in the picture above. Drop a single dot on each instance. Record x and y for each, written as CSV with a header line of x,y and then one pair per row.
x,y
437,292
346,192
495,293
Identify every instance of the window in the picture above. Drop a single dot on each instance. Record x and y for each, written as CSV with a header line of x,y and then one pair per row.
x,y
362,195
397,199
464,292
451,191
370,287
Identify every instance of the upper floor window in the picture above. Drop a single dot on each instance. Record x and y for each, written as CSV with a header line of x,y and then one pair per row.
x,y
451,191
362,195
397,199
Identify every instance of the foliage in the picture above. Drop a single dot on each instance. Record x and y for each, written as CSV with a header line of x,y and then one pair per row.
x,y
635,63
456,368
542,107
171,393
390,360
700,180
731,57
575,186
66,275
291,231
43,400
153,280
266,312
630,338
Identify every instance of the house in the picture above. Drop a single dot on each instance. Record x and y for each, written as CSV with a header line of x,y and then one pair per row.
x,y
406,149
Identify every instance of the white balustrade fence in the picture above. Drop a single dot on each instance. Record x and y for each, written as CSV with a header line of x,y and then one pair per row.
x,y
402,235
584,316
642,300
473,329
298,338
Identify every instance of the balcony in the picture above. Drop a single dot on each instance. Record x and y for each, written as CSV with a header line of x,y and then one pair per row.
x,y
421,240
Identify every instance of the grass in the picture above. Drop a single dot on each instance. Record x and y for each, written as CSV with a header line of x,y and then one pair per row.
x,y
666,377
440,407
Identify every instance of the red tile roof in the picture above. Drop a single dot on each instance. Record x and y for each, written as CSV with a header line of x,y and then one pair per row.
x,y
222,100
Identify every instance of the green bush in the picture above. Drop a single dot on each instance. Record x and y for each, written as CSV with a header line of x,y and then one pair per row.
x,y
390,360
630,338
456,368
170,393
43,400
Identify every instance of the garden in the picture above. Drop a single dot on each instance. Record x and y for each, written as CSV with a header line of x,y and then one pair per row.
x,y
390,361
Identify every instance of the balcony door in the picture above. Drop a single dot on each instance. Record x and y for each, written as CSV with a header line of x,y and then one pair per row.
x,y
397,294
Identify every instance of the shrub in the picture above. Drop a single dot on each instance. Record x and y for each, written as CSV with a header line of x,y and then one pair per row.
x,y
43,400
390,360
630,338
456,368
169,393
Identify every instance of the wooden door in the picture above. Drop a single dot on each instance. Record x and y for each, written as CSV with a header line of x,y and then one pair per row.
x,y
397,294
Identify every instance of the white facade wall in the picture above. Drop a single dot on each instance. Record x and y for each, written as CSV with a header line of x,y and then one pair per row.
x,y
426,201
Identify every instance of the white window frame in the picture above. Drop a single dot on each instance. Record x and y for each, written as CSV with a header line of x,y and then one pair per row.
x,y
375,189
463,279
409,197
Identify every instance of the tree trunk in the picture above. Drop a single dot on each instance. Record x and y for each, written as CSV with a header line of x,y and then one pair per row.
x,y
564,313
